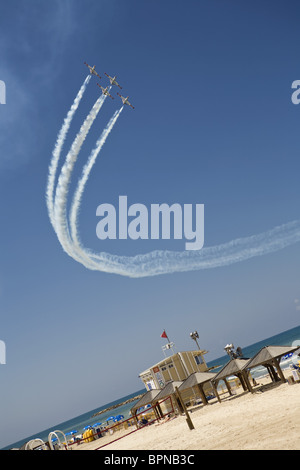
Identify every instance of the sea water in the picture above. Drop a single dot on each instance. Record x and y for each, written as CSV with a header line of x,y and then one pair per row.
x,y
286,338
87,419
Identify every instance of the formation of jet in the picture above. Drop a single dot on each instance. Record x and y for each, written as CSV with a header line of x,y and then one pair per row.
x,y
113,81
105,91
125,100
92,69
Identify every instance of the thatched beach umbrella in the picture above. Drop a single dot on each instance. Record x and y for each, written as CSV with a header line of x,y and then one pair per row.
x,y
169,390
269,357
146,399
198,379
236,367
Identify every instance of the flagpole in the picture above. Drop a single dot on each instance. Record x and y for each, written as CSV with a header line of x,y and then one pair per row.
x,y
164,335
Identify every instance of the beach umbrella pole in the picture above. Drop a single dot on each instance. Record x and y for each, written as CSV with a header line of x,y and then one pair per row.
x,y
188,419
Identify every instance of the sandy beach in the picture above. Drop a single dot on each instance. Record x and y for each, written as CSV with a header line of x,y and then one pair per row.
x,y
268,419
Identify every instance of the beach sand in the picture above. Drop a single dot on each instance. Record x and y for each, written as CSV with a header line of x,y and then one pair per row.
x,y
268,419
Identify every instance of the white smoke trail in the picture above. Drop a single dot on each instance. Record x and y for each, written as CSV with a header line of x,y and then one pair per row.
x,y
156,262
60,204
58,148
85,175
166,262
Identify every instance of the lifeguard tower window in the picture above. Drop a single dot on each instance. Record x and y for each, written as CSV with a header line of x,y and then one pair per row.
x,y
198,359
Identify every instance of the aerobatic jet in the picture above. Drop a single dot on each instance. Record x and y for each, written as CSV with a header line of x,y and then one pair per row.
x,y
92,69
105,91
113,80
125,100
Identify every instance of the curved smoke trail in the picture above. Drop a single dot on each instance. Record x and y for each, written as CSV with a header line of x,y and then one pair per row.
x,y
166,262
156,262
60,204
58,148
85,175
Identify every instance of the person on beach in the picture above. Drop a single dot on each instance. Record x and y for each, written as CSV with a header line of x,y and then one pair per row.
x,y
142,422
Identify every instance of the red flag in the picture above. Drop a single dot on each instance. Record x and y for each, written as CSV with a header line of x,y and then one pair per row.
x,y
164,335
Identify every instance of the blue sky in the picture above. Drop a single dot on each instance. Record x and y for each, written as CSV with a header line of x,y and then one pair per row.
x,y
213,123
